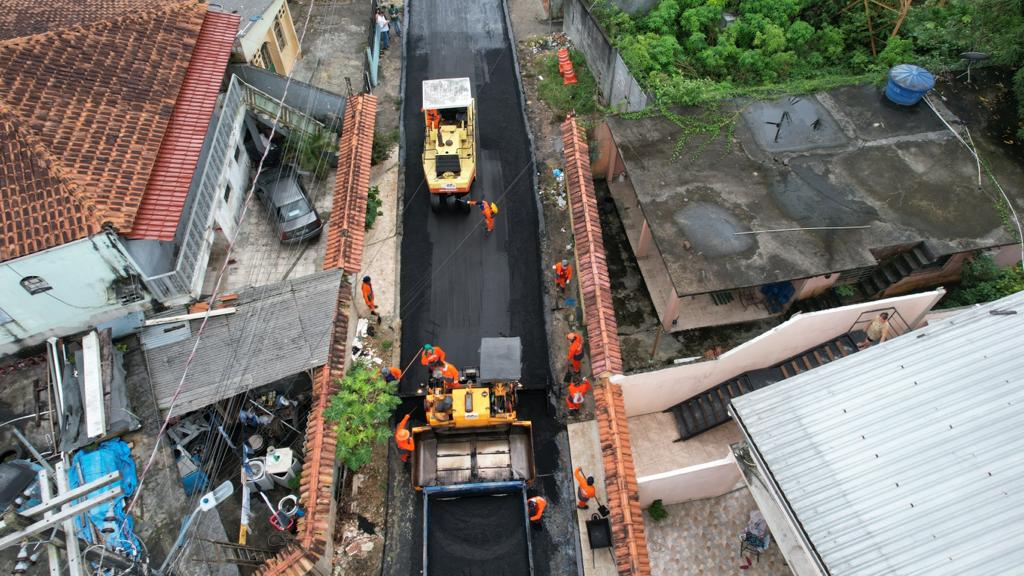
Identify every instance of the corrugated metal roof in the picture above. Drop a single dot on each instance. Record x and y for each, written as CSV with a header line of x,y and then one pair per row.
x,y
277,331
905,458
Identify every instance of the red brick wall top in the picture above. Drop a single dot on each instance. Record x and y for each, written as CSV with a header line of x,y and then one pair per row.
x,y
628,538
344,250
348,214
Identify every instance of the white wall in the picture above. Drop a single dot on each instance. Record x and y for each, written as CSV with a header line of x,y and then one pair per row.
x,y
235,174
693,483
256,31
80,274
655,391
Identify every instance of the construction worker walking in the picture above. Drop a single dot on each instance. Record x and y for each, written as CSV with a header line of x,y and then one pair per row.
x,y
563,274
432,356
535,506
391,374
403,439
575,355
578,389
368,297
585,490
488,209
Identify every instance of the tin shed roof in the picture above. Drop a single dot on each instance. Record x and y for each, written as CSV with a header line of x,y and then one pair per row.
x,y
904,458
447,93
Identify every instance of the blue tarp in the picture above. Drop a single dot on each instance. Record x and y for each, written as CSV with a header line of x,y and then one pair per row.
x,y
86,466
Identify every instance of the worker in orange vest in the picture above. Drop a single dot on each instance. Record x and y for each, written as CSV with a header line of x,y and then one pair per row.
x,y
391,374
403,439
586,489
577,394
368,297
489,209
575,351
433,119
563,274
449,375
536,506
432,356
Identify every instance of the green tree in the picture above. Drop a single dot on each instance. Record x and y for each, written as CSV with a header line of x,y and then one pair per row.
x,y
360,411
662,18
650,52
983,281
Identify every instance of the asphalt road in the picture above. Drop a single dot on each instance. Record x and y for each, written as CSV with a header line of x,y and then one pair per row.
x,y
459,285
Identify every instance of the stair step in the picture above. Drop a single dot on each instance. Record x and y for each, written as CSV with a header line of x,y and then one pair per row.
x,y
921,254
901,266
785,373
880,280
891,273
810,361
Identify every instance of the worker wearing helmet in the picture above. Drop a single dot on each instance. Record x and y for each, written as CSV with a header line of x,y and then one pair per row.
x,y
432,356
403,439
536,506
391,374
578,389
586,489
448,375
488,209
563,274
575,351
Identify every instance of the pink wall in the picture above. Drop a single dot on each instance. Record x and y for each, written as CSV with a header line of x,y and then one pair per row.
x,y
693,483
657,390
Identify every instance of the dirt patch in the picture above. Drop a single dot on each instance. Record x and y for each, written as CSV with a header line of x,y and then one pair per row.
x,y
359,536
987,103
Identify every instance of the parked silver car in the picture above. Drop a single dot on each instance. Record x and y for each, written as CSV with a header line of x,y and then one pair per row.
x,y
285,198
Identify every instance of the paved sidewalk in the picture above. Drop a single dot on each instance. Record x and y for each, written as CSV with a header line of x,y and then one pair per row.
x,y
585,450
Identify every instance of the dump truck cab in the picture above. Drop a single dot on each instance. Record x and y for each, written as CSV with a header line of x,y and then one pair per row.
x,y
449,146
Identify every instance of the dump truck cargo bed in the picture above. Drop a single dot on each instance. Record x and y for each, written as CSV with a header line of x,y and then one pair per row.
x,y
452,457
476,530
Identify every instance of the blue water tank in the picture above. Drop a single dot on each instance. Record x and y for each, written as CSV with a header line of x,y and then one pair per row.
x,y
908,84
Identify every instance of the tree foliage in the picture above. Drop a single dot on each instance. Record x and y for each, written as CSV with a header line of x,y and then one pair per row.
x,y
983,281
360,411
684,46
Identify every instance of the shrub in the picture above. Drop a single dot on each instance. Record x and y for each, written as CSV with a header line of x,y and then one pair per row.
x,y
373,204
382,144
657,511
311,152
983,281
360,411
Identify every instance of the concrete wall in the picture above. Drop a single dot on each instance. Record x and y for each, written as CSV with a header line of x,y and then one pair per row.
x,y
693,483
618,87
262,31
80,274
234,181
810,287
655,391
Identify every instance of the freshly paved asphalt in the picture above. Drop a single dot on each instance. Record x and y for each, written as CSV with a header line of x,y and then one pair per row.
x,y
459,285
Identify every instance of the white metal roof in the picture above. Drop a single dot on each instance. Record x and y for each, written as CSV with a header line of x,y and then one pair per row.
x,y
447,93
908,457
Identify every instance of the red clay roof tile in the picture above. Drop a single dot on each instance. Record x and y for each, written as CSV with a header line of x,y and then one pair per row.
x,y
628,537
89,89
348,213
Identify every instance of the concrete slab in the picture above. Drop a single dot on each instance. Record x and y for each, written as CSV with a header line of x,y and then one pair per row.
x,y
656,449
703,538
585,449
900,177
335,27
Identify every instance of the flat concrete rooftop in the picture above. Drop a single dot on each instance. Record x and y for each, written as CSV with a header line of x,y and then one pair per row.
x,y
845,158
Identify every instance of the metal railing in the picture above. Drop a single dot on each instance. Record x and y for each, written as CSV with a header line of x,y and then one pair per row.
x,y
372,49
897,325
259,101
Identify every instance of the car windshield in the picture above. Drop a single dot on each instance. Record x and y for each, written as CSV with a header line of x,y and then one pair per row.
x,y
293,210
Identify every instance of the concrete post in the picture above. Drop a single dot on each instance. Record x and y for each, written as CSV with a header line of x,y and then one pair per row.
x,y
645,241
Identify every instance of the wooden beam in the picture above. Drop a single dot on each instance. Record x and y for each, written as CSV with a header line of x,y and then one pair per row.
x,y
183,317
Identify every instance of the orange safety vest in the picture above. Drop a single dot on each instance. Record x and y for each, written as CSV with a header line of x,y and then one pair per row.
x,y
536,506
564,273
408,443
450,375
395,373
435,357
368,296
576,348
577,394
585,491
433,119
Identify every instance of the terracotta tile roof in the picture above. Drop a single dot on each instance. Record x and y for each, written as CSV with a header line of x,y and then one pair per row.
x,y
20,18
168,185
344,250
89,89
348,213
591,266
628,538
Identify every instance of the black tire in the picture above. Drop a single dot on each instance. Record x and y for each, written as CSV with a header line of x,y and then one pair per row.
x,y
435,202
450,202
464,205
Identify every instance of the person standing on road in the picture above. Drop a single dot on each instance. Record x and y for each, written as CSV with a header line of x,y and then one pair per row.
x,y
575,355
368,298
383,29
536,506
403,439
586,489
395,13
432,356
488,209
391,374
563,274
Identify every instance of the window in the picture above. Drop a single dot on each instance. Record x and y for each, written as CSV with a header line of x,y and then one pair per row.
x,y
268,62
34,285
5,317
238,151
279,31
227,191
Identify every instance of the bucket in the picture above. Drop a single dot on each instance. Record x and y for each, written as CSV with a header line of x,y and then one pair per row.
x,y
288,505
256,443
258,479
